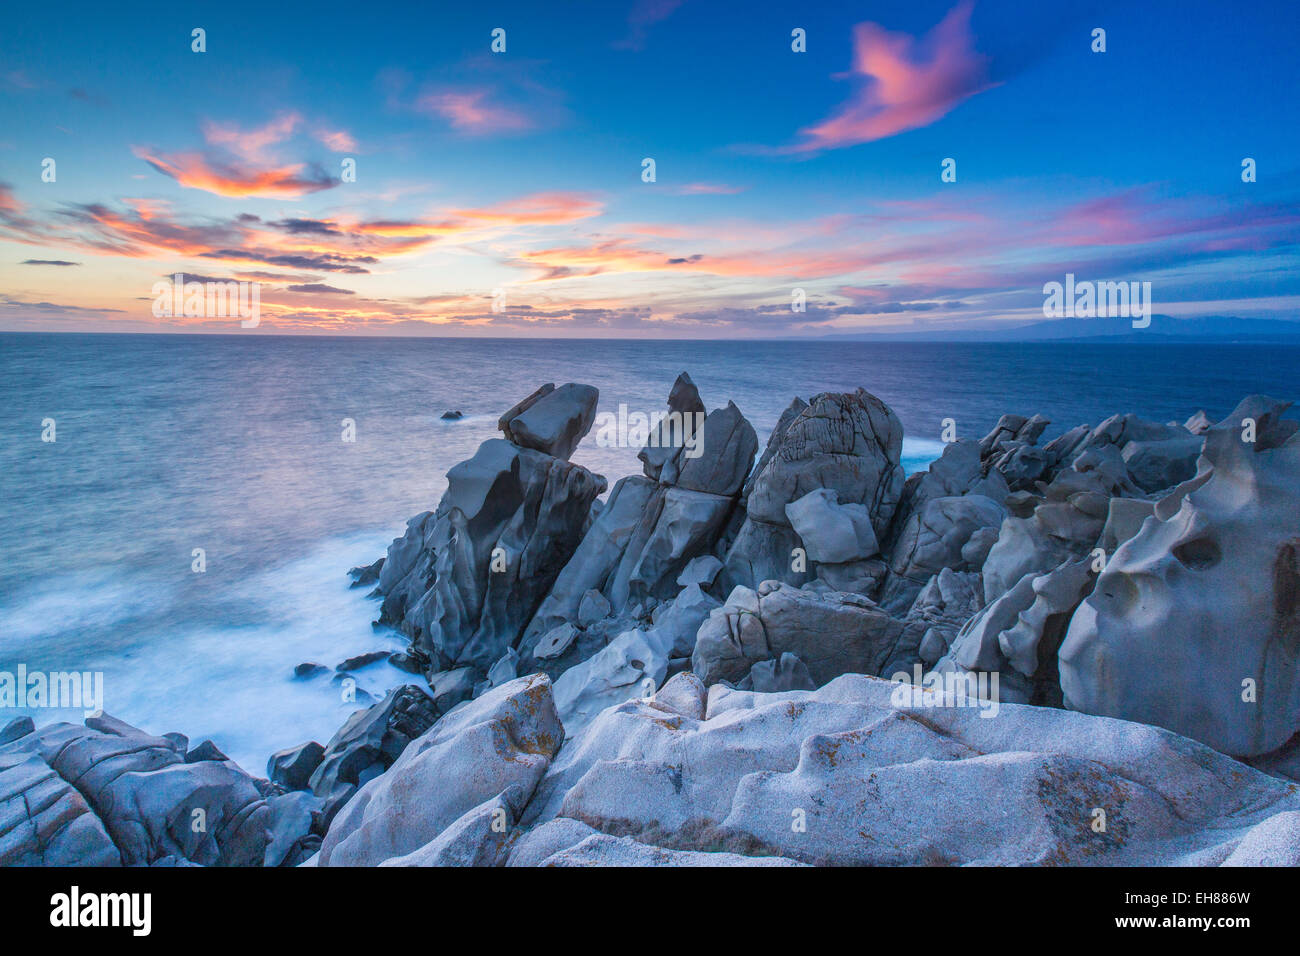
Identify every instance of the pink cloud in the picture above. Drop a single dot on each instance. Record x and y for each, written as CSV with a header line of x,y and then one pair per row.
x,y
706,189
470,111
251,145
909,84
338,140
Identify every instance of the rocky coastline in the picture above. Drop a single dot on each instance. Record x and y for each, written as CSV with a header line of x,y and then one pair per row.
x,y
1084,651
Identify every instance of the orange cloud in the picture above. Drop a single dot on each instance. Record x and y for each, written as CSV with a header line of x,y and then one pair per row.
x,y
197,171
546,208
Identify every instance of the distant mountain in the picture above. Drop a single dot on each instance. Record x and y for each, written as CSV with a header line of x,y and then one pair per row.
x,y
1163,328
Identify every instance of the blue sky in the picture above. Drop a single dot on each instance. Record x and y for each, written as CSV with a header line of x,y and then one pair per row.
x,y
515,178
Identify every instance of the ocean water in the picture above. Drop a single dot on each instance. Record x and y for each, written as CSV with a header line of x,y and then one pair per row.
x,y
233,444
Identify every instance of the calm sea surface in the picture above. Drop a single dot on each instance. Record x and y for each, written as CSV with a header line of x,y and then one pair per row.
x,y
233,444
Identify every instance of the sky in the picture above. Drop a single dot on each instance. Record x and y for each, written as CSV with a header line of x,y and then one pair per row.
x,y
507,193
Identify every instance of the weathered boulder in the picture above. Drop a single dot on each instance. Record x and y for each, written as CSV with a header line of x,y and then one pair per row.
x,y
1194,624
684,694
500,743
481,837
595,558
292,768
45,821
847,443
552,420
677,525
679,620
831,634
509,521
832,532
632,665
720,456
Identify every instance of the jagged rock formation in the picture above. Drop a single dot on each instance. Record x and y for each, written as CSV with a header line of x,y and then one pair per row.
x,y
680,675
464,581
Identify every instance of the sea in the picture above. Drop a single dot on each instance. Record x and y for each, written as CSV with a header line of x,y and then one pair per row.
x,y
188,531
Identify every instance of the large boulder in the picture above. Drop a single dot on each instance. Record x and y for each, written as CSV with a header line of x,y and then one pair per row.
x,y
499,744
832,633
849,443
595,558
832,532
634,664
552,420
718,458
1194,624
677,526
45,821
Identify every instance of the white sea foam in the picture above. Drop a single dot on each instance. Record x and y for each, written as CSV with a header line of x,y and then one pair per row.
x,y
235,684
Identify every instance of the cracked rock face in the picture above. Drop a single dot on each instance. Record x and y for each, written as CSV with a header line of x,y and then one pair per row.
x,y
1194,624
848,443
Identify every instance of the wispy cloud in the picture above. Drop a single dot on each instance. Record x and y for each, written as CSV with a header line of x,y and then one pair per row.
x,y
903,83
705,189
473,111
644,15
